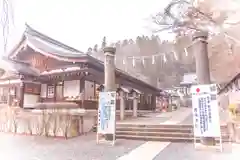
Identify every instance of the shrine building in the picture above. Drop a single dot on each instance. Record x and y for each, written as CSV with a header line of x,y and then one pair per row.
x,y
43,70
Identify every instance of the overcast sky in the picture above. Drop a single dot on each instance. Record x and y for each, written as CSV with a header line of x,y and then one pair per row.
x,y
83,24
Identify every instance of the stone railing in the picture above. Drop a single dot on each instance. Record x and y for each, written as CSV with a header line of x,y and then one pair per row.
x,y
65,123
54,122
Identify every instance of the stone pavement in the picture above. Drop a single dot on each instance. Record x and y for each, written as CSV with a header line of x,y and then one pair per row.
x,y
15,147
149,150
174,117
172,151
186,151
84,148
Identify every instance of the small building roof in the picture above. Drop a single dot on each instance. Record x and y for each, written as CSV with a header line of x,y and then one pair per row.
x,y
12,67
191,79
224,87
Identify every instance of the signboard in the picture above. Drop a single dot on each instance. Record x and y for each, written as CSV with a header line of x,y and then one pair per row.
x,y
205,109
107,113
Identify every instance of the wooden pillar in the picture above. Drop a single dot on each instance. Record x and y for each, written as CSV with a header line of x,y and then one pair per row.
x,y
202,68
55,92
21,94
141,102
82,92
122,105
145,102
135,104
94,91
153,101
9,94
170,105
150,100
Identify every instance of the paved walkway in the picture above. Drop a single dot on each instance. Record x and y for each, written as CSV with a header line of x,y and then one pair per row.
x,y
15,147
183,151
153,150
85,147
149,150
146,151
174,117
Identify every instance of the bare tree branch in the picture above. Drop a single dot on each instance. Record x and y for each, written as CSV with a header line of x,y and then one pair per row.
x,y
5,20
183,15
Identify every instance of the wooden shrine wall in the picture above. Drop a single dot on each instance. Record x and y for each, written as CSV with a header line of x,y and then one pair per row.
x,y
40,61
31,88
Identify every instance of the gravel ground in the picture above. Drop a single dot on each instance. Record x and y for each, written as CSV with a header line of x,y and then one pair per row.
x,y
186,151
16,147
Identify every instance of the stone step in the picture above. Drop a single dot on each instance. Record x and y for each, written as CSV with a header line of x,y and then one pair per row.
x,y
164,139
155,125
180,126
159,134
167,130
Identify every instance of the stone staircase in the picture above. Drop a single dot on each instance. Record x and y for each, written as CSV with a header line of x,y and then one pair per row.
x,y
161,132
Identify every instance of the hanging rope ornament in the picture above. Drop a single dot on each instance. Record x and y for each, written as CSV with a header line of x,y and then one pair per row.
x,y
153,60
115,59
133,62
175,55
186,52
143,61
230,49
230,46
164,58
123,61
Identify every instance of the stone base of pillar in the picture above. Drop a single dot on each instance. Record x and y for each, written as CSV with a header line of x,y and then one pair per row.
x,y
122,116
135,113
169,108
109,137
210,141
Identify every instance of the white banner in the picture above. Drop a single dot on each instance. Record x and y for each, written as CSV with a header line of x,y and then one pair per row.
x,y
107,113
206,120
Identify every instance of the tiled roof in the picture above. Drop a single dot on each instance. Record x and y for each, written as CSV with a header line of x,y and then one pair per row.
x,y
46,45
32,33
16,67
50,48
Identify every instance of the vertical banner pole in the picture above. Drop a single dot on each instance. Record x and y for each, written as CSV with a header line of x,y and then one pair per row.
x,y
220,141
